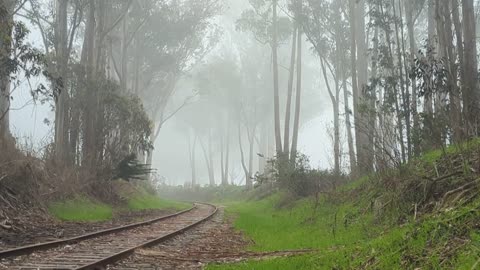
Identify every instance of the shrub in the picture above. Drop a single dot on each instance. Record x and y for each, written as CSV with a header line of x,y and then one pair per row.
x,y
300,178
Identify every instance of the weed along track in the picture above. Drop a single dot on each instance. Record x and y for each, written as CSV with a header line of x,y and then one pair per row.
x,y
96,250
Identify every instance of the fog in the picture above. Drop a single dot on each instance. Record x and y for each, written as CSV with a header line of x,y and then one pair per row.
x,y
32,120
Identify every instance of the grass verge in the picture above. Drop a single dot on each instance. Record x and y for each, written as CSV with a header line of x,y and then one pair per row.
x,y
81,209
347,238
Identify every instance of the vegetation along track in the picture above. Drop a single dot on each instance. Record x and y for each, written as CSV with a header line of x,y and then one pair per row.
x,y
95,251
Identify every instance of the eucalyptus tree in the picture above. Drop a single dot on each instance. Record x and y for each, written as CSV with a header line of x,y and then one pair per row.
x,y
19,61
7,9
328,44
164,54
268,28
471,96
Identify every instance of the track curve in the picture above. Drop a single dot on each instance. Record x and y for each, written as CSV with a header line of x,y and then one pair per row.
x,y
94,251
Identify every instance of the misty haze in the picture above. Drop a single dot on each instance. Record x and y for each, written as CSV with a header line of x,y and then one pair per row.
x,y
239,134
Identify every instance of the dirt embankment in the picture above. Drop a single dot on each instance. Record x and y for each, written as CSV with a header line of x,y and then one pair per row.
x,y
29,184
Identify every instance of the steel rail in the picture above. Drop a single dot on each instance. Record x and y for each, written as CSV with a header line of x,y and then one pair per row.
x,y
100,264
52,244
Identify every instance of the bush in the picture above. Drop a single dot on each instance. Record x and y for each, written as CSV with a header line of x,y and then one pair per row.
x,y
299,178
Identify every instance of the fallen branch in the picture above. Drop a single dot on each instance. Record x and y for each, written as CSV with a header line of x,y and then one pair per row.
x,y
467,187
440,178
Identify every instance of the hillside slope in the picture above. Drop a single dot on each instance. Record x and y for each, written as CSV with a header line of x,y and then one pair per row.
x,y
424,215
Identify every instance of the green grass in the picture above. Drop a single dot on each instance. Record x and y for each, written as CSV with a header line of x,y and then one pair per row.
x,y
298,227
433,156
84,209
81,209
359,242
300,263
147,201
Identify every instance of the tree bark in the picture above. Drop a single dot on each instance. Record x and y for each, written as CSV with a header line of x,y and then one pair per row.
x,y
276,96
191,151
61,46
6,28
413,50
471,95
248,180
286,142
363,130
298,99
353,62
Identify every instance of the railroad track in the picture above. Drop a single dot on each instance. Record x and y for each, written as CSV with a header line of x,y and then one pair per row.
x,y
96,250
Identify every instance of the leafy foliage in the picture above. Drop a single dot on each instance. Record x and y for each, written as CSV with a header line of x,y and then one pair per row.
x,y
259,21
131,169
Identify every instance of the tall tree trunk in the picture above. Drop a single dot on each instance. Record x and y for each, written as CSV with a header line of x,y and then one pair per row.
x,y
248,181
207,155
403,95
276,95
227,156
251,141
61,45
298,99
89,145
428,106
364,137
348,112
191,148
452,75
124,66
471,91
286,142
6,27
413,50
353,64
336,114
459,42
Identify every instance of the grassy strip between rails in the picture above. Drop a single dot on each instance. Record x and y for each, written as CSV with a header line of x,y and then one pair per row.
x,y
81,209
347,238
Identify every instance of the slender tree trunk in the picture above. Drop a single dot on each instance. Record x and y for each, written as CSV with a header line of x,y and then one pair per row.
x,y
251,141
353,59
124,66
248,181
363,130
89,146
413,50
61,45
298,99
192,145
207,155
348,123
403,100
428,106
471,91
222,157
459,42
6,28
336,114
452,75
227,156
276,96
286,143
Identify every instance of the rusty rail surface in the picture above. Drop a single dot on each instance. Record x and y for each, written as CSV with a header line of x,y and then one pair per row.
x,y
95,250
